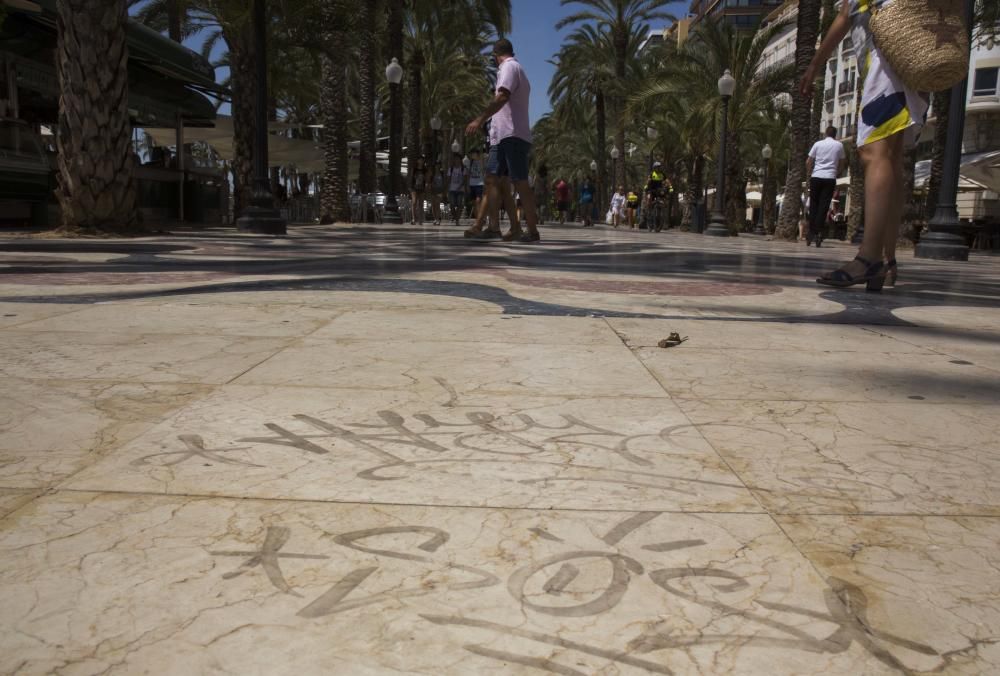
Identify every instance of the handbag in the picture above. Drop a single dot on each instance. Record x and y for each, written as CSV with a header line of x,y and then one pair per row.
x,y
925,41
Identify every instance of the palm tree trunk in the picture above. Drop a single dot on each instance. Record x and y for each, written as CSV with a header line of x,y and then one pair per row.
x,y
244,86
942,104
97,191
366,22
334,199
736,193
621,54
805,49
413,119
174,20
601,121
826,20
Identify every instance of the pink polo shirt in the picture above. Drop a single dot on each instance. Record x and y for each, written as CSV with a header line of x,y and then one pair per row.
x,y
512,119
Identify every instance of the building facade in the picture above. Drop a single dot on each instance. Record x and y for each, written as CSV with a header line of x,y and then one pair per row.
x,y
743,14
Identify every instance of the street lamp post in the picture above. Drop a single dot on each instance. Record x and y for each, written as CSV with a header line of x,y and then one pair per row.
x,y
942,241
456,147
718,228
261,217
761,225
394,74
652,134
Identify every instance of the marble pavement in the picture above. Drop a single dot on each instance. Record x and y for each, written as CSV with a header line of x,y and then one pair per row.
x,y
388,450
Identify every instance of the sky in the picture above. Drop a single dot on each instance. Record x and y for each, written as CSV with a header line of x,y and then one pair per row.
x,y
535,41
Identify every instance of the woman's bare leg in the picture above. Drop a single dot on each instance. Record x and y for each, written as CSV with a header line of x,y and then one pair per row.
x,y
884,184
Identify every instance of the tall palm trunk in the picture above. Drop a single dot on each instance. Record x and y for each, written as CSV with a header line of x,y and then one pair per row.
x,y
826,20
856,191
805,49
942,105
334,199
174,20
601,120
244,86
736,194
413,118
621,54
366,73
96,171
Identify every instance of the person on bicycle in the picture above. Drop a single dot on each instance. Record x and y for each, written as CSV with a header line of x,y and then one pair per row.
x,y
653,188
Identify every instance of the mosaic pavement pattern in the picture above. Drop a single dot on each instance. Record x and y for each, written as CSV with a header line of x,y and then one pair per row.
x,y
378,450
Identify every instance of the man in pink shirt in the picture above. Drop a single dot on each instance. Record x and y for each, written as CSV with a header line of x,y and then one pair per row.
x,y
510,131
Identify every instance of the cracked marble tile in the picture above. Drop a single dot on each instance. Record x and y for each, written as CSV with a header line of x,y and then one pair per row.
x,y
187,318
691,373
242,586
427,325
12,498
15,314
936,580
472,368
978,347
141,357
822,457
747,336
49,429
406,448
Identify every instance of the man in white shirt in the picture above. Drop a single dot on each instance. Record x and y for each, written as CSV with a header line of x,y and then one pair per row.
x,y
511,131
826,160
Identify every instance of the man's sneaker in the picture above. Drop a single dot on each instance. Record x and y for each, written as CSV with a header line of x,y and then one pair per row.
x,y
512,235
529,238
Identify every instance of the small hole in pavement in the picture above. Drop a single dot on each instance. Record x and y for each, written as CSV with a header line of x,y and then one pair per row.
x,y
962,362
917,397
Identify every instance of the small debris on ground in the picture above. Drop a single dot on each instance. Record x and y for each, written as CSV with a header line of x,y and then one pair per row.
x,y
673,340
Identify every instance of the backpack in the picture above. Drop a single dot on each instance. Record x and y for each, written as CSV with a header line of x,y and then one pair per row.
x,y
925,41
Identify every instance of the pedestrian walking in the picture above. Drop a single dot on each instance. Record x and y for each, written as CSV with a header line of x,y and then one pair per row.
x,y
510,126
562,199
631,205
892,115
438,187
418,187
618,206
476,174
826,161
587,202
456,187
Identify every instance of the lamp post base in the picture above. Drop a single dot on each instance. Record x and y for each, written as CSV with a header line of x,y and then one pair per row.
x,y
942,246
262,221
391,214
717,227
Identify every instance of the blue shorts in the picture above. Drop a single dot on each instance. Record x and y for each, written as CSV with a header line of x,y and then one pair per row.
x,y
475,192
510,158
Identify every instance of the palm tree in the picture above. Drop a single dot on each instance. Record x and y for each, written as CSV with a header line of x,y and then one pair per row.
x,y
620,19
583,76
366,54
805,48
463,27
686,89
334,204
96,180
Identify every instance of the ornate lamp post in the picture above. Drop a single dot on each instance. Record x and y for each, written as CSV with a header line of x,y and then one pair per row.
x,y
766,154
718,228
593,165
394,74
261,217
456,147
942,241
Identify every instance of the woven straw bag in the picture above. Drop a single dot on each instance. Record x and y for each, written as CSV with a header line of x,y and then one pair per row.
x,y
925,41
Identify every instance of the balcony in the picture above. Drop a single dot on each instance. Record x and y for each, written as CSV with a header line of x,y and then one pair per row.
x,y
846,88
828,94
848,46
